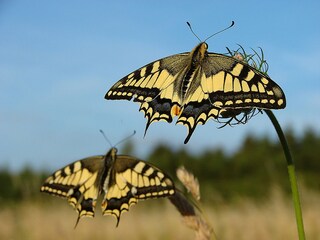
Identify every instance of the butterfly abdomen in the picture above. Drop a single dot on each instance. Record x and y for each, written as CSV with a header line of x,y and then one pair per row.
x,y
186,80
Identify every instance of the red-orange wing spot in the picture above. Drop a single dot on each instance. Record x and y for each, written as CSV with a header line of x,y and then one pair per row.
x,y
175,110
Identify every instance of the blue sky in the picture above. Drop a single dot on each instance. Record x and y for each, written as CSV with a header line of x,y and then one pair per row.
x,y
58,59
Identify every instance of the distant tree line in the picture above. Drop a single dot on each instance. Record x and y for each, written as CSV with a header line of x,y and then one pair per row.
x,y
251,171
257,166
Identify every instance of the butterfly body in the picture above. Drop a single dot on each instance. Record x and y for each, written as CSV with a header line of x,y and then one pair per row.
x,y
197,86
122,179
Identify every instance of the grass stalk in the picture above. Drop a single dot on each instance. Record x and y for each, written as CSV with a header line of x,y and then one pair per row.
x,y
292,175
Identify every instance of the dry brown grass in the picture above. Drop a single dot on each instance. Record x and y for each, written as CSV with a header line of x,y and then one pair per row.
x,y
152,219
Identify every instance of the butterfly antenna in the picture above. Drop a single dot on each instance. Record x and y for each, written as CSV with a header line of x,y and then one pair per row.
x,y
105,137
189,25
125,139
231,25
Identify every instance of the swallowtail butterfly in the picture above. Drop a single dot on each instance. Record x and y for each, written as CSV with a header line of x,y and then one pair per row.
x,y
196,86
122,179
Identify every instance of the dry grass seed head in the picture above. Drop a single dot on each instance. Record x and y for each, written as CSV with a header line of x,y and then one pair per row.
x,y
189,181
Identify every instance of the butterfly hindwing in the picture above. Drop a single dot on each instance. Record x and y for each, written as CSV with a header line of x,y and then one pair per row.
x,y
195,113
132,180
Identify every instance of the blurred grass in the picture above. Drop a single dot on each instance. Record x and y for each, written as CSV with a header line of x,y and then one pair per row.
x,y
271,218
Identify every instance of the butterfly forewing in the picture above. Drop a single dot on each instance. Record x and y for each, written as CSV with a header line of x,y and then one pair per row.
x,y
197,86
131,180
234,84
154,86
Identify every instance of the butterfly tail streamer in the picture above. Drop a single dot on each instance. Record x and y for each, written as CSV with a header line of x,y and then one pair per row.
x,y
76,224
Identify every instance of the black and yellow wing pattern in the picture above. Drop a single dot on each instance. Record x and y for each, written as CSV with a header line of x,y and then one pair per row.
x,y
122,179
197,86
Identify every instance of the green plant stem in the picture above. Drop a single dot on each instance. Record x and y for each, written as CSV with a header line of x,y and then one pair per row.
x,y
292,174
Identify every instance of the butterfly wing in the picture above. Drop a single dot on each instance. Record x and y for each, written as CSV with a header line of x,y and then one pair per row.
x,y
153,86
223,84
132,180
79,183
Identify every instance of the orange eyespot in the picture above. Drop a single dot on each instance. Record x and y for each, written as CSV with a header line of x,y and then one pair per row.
x,y
175,110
